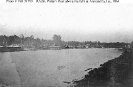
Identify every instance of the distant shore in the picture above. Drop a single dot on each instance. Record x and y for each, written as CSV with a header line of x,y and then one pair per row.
x,y
114,73
19,48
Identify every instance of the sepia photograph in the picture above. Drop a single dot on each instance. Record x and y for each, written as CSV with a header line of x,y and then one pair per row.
x,y
66,43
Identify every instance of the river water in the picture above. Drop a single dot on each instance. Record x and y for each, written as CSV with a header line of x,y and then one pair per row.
x,y
50,68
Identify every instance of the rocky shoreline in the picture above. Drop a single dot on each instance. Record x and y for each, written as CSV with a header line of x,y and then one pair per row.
x,y
114,73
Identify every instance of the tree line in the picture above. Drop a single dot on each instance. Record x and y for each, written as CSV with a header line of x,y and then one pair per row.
x,y
31,42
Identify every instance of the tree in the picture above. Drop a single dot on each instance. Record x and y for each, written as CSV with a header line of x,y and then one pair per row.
x,y
21,36
131,45
32,37
57,40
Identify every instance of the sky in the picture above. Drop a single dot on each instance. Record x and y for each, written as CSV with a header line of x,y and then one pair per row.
x,y
78,22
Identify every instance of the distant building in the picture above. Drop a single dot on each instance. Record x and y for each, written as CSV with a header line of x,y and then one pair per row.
x,y
53,47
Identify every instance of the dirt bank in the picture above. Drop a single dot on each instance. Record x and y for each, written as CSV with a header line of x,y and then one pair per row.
x,y
114,73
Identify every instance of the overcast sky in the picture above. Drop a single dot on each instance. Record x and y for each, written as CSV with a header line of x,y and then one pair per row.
x,y
80,22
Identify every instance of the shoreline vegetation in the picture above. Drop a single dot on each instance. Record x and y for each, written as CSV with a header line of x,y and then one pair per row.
x,y
21,43
117,72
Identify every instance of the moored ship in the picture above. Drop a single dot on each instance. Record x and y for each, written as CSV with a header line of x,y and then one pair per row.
x,y
10,48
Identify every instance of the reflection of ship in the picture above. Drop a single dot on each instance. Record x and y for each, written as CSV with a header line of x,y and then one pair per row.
x,y
10,48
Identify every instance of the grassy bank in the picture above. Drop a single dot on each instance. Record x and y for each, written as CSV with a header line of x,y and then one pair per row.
x,y
114,73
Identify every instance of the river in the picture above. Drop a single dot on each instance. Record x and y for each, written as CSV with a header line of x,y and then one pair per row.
x,y
50,68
